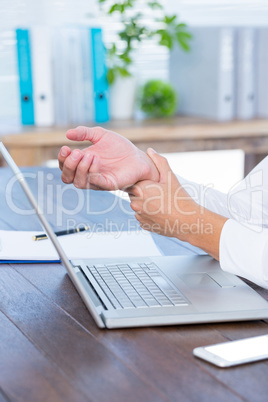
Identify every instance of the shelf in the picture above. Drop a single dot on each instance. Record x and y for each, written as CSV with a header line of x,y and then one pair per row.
x,y
33,146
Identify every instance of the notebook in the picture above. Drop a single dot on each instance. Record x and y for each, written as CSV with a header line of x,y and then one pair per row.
x,y
76,245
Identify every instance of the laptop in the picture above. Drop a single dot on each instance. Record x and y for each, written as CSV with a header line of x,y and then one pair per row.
x,y
154,291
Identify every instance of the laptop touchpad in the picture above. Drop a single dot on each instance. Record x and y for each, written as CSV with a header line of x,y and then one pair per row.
x,y
199,280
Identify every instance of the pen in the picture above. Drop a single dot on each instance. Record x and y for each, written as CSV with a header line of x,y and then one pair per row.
x,y
61,233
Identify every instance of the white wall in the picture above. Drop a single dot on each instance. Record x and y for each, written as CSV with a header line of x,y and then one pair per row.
x,y
221,12
15,13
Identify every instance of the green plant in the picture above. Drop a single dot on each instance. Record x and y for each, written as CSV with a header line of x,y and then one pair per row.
x,y
167,30
158,99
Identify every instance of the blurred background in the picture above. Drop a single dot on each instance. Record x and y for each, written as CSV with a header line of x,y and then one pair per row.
x,y
188,77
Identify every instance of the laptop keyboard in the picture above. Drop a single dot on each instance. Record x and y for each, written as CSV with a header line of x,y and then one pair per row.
x,y
135,286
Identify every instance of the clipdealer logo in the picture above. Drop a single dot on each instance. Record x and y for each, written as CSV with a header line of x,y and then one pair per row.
x,y
59,199
245,201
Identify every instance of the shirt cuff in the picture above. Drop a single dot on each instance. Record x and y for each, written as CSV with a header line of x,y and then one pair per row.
x,y
244,252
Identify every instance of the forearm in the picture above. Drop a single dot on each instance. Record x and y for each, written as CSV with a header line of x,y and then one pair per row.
x,y
207,196
204,231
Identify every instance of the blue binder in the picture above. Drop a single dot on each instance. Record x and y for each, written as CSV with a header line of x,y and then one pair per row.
x,y
25,76
100,83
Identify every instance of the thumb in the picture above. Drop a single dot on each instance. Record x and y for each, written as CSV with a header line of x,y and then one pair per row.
x,y
81,133
161,164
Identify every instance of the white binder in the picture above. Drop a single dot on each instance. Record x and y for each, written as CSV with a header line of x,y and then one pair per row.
x,y
204,77
73,76
87,75
61,84
10,113
42,76
245,76
262,72
76,91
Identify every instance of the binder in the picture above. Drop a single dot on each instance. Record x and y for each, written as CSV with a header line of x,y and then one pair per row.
x,y
245,66
10,113
42,76
80,84
100,83
76,91
87,76
262,72
204,77
60,68
25,76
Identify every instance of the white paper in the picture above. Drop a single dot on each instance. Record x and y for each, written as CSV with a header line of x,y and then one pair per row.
x,y
19,245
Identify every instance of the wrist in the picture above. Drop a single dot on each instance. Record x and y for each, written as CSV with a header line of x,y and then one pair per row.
x,y
150,172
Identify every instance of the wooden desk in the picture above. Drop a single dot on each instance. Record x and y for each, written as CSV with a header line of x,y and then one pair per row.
x,y
34,146
51,349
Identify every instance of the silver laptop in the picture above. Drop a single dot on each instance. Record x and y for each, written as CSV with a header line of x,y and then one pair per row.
x,y
154,291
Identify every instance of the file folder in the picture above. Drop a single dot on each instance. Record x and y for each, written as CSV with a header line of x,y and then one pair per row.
x,y
245,66
80,83
42,76
262,72
10,110
100,83
87,76
204,77
61,79
25,76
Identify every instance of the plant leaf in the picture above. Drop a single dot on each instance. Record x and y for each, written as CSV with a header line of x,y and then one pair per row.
x,y
182,25
168,20
124,72
185,35
184,45
165,38
117,7
155,5
110,76
125,58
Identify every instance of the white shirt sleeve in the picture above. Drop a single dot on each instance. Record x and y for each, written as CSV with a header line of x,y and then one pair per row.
x,y
244,252
206,196
244,237
247,202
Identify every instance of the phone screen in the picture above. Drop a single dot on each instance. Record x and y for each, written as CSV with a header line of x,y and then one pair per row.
x,y
242,349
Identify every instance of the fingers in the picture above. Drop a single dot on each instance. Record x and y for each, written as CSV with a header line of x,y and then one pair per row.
x,y
136,197
83,170
161,163
81,133
63,154
134,191
95,166
90,176
137,194
80,179
147,224
70,164
135,206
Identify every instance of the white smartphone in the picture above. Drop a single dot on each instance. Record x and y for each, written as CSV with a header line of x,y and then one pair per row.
x,y
235,352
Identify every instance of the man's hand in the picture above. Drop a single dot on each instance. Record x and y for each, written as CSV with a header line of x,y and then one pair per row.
x,y
110,163
166,208
163,207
